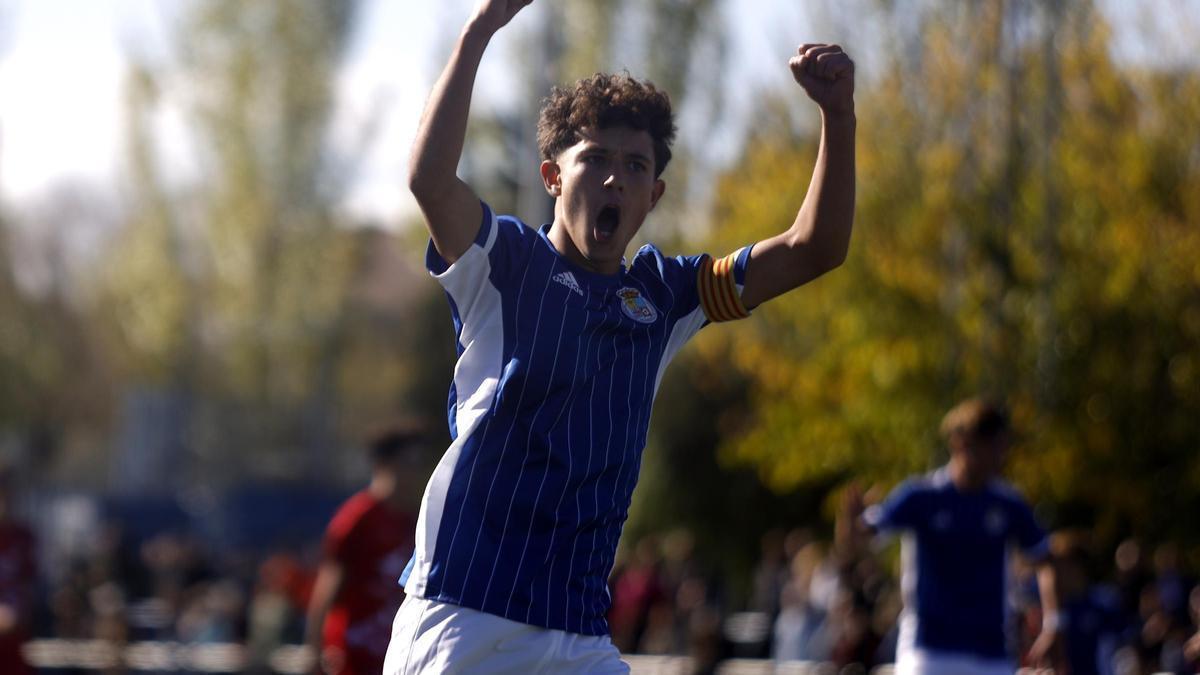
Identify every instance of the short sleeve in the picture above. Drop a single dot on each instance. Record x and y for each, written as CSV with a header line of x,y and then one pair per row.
x,y
501,247
701,289
900,511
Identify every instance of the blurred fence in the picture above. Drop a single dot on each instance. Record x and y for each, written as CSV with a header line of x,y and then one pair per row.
x,y
100,655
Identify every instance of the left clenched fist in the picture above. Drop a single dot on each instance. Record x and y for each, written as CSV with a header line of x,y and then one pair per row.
x,y
827,75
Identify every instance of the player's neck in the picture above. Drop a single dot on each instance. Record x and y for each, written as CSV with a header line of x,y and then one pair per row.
x,y
560,238
382,487
964,480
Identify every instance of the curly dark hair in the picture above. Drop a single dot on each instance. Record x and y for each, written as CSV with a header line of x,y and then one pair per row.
x,y
602,101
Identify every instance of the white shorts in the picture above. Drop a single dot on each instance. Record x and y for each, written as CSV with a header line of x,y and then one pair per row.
x,y
437,637
919,662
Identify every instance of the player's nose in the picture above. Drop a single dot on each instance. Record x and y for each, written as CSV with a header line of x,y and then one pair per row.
x,y
615,180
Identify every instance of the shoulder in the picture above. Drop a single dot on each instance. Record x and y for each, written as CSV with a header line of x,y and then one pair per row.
x,y
512,226
678,274
919,494
497,232
649,259
903,506
352,511
915,487
504,232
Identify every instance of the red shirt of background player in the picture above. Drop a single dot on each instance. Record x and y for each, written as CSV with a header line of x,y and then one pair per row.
x,y
373,541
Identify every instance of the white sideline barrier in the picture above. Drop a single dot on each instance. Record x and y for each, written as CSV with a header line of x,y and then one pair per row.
x,y
155,656
297,659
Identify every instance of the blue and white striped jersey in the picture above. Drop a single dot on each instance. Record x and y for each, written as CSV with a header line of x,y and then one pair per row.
x,y
955,562
549,410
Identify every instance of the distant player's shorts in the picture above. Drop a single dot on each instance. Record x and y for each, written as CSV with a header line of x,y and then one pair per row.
x,y
435,637
920,662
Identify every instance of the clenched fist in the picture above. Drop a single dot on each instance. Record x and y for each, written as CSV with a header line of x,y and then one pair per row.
x,y
827,75
495,14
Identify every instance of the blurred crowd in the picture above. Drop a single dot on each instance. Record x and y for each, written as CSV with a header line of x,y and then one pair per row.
x,y
172,588
1134,610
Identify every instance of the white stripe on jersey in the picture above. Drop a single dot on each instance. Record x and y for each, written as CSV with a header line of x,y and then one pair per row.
x,y
635,429
528,442
570,470
579,493
477,372
537,327
503,448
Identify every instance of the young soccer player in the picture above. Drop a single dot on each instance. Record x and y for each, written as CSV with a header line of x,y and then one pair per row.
x,y
367,543
960,524
562,343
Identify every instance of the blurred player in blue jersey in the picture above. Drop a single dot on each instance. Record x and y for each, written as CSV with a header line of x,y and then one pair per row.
x,y
959,525
562,343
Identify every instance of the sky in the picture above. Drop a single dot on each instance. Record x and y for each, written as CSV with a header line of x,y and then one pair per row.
x,y
62,64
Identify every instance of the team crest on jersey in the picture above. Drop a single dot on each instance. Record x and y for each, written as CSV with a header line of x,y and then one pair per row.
x,y
942,520
636,307
994,522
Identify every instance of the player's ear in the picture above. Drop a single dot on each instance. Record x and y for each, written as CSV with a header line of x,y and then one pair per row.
x,y
552,177
659,188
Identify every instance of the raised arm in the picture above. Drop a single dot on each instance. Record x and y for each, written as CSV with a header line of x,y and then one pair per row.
x,y
850,531
451,208
818,239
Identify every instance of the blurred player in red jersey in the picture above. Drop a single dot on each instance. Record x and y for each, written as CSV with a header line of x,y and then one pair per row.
x,y
366,546
18,573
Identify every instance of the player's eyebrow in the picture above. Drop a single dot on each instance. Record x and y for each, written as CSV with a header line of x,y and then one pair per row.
x,y
595,146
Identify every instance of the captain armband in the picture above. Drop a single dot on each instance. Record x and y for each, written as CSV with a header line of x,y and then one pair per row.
x,y
719,294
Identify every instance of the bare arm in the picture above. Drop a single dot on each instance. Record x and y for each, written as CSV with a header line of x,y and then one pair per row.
x,y
850,531
1042,650
451,208
328,584
820,236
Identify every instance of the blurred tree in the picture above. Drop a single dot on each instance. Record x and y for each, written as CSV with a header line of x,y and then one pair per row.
x,y
237,293
54,390
20,352
1026,226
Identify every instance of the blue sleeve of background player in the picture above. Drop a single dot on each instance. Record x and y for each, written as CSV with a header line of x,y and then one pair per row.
x,y
902,510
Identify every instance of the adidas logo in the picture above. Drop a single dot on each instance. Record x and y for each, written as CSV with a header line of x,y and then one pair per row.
x,y
567,279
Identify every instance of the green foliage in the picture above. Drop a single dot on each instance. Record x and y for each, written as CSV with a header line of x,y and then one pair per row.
x,y
241,288
686,486
1026,226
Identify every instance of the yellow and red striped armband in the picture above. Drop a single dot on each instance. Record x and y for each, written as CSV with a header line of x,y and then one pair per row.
x,y
718,290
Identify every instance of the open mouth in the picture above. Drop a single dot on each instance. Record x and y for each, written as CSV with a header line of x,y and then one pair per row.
x,y
607,221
